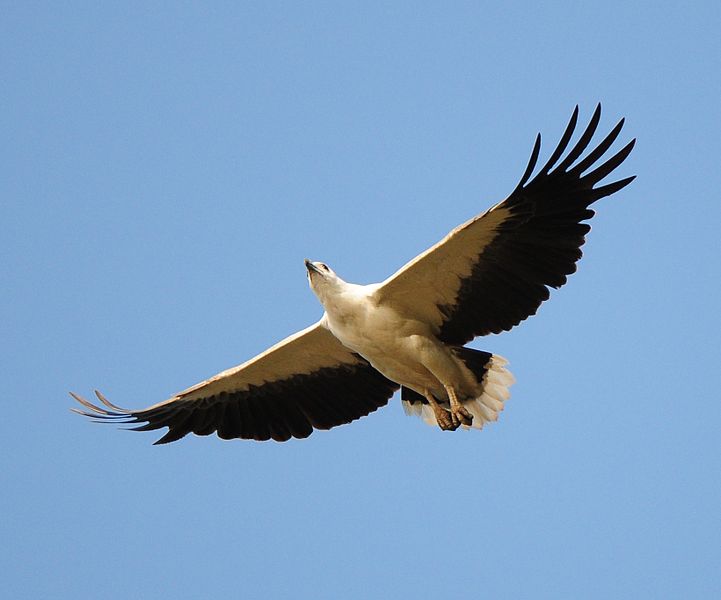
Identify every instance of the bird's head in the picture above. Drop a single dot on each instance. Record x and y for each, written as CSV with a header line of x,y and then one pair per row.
x,y
321,278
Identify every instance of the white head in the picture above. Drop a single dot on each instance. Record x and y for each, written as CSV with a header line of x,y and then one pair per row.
x,y
322,279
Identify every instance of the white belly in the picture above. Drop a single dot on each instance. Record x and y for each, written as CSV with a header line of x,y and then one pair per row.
x,y
395,346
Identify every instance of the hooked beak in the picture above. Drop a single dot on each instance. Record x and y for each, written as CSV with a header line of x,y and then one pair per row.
x,y
311,267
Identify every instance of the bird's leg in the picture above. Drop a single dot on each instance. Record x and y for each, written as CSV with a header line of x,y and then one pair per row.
x,y
459,414
443,417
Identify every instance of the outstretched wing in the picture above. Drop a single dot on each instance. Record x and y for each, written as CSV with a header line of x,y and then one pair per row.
x,y
309,380
493,272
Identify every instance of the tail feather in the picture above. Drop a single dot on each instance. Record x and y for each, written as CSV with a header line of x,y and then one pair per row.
x,y
495,381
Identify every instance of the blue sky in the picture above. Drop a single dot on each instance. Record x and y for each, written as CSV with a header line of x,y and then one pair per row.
x,y
167,167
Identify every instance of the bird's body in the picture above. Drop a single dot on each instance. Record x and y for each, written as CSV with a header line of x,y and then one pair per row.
x,y
404,349
409,331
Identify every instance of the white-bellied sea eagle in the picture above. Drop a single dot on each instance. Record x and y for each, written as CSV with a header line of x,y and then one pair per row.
x,y
409,331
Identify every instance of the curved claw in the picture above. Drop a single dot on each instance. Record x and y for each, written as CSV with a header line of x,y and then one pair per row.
x,y
443,417
447,421
461,416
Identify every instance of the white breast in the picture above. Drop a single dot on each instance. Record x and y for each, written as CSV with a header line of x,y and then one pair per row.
x,y
378,333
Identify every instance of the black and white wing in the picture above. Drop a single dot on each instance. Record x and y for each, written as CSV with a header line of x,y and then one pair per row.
x,y
307,381
492,272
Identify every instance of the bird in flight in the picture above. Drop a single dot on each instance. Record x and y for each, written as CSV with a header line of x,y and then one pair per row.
x,y
409,331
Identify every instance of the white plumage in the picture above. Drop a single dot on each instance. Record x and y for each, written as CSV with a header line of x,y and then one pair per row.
x,y
409,331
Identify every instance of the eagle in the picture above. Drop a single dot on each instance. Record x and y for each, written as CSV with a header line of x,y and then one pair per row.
x,y
411,330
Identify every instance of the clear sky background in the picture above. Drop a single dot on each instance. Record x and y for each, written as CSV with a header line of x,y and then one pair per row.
x,y
165,169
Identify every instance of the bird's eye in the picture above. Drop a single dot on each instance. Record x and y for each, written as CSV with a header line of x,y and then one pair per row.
x,y
322,266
